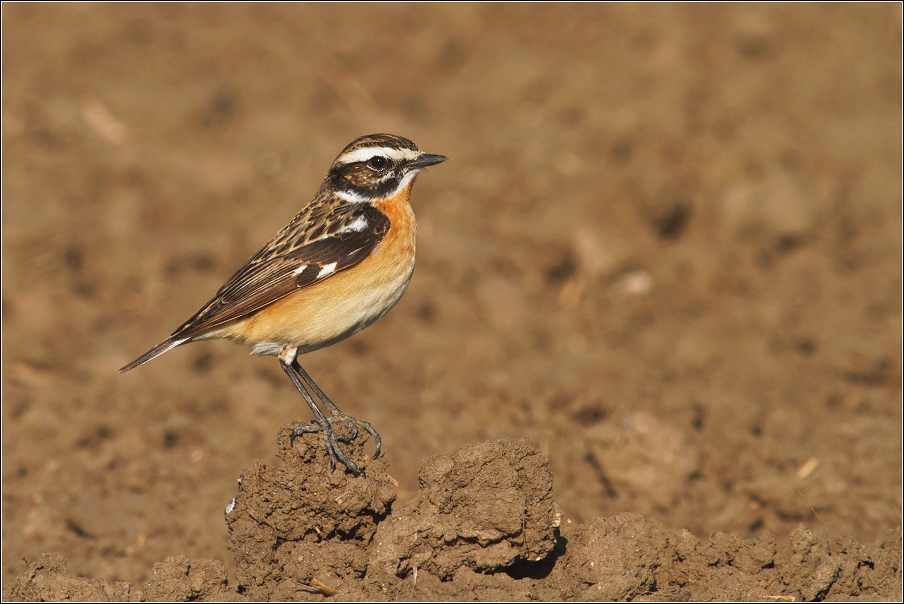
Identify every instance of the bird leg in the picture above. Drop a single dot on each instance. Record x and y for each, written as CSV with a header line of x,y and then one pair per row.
x,y
336,414
293,369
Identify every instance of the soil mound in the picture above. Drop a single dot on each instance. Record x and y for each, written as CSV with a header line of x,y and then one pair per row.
x,y
483,526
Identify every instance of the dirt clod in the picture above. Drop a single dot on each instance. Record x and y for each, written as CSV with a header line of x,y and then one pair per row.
x,y
302,520
617,556
48,580
484,508
180,579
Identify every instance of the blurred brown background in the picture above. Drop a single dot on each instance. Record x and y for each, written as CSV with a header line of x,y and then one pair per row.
x,y
666,247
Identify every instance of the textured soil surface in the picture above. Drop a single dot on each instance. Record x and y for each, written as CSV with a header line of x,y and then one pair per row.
x,y
483,526
658,284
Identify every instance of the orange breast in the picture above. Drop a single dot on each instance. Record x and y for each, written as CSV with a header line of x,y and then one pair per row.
x,y
346,302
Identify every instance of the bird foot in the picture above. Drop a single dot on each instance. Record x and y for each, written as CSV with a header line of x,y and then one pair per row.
x,y
332,439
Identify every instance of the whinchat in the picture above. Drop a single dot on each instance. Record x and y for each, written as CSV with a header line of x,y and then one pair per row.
x,y
339,265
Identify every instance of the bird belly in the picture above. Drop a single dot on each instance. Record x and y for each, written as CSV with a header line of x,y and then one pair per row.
x,y
339,306
317,317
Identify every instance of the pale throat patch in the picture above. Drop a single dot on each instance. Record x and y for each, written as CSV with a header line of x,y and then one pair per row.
x,y
409,176
368,152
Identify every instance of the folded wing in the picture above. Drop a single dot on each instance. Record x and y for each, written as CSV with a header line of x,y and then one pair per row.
x,y
292,260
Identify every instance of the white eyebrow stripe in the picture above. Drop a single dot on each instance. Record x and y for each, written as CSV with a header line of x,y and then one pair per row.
x,y
300,269
367,152
326,270
351,197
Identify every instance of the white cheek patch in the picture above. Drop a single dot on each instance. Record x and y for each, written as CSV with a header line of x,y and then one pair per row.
x,y
368,152
300,269
351,197
326,270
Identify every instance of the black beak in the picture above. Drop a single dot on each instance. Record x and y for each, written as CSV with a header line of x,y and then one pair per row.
x,y
427,159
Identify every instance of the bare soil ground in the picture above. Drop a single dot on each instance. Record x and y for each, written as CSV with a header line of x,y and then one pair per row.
x,y
666,249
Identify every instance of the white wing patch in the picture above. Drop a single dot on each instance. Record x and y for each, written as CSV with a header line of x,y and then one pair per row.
x,y
326,270
368,152
300,269
357,225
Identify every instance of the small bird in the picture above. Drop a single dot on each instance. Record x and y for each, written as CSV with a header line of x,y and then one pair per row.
x,y
339,265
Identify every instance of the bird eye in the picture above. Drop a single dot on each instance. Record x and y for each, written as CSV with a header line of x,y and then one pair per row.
x,y
378,163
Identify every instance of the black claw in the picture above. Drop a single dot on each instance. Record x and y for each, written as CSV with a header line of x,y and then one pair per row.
x,y
354,433
329,450
351,426
348,463
377,440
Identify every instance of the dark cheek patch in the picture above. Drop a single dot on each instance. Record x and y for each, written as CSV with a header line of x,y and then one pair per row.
x,y
359,176
360,179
